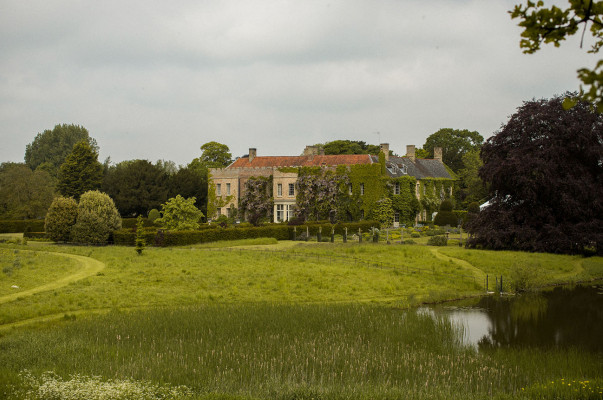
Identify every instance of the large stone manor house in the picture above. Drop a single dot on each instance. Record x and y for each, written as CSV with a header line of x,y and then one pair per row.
x,y
227,185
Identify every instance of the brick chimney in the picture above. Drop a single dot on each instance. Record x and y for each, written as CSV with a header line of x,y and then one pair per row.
x,y
252,153
385,150
437,153
410,152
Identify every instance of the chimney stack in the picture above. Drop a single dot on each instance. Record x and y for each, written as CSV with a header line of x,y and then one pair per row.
x,y
410,152
252,153
437,153
310,151
385,150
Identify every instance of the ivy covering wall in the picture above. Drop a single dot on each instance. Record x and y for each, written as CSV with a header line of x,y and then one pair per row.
x,y
213,201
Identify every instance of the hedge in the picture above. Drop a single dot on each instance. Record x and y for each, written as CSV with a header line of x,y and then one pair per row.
x,y
163,238
21,225
130,223
34,235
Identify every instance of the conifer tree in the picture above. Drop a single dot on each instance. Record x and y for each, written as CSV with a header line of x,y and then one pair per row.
x,y
80,172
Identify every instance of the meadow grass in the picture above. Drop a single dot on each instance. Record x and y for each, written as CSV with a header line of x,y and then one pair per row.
x,y
301,321
27,269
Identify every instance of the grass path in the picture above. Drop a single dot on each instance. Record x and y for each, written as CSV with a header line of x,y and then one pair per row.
x,y
476,272
89,267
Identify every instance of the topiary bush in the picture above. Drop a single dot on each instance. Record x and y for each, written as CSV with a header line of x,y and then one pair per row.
x,y
445,216
97,218
60,219
153,215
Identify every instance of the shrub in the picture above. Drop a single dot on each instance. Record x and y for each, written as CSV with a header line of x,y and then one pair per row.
x,y
60,219
437,241
446,206
140,242
415,235
97,218
153,215
179,213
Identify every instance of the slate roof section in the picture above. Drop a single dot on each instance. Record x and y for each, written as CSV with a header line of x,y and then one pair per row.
x,y
419,168
302,161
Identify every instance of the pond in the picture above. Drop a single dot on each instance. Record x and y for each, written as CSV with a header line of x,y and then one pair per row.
x,y
561,317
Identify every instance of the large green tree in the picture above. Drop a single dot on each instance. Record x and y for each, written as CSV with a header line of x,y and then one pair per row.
x,y
50,148
454,143
61,216
553,25
136,186
470,186
189,182
215,155
544,172
349,147
24,193
80,172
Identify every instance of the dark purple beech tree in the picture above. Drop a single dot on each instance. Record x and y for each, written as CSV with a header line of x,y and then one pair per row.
x,y
545,170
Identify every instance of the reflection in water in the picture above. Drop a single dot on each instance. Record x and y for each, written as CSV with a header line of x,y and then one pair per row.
x,y
561,317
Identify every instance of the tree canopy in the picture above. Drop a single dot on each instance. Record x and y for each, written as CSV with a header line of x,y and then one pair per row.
x,y
189,182
215,155
454,143
50,148
136,186
349,147
80,172
552,25
97,217
544,172
24,193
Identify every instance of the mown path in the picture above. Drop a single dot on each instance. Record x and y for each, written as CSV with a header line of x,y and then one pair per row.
x,y
90,267
475,272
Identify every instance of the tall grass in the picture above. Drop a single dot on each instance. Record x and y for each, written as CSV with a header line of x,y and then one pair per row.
x,y
287,351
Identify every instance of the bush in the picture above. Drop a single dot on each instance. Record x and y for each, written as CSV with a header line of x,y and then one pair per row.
x,y
437,241
20,225
446,205
60,219
415,235
97,218
34,235
180,214
153,215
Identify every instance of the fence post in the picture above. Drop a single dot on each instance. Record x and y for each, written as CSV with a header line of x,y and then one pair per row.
x,y
486,283
345,235
359,235
294,233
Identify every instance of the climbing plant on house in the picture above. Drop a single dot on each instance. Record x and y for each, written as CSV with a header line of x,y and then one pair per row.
x,y
405,203
256,202
319,192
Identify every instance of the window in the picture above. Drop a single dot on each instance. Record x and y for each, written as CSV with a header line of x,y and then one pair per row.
x,y
291,189
279,212
279,190
290,212
228,189
219,189
397,188
362,189
397,217
361,214
218,211
350,189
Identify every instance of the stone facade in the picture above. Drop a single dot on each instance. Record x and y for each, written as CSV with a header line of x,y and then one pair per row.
x,y
228,184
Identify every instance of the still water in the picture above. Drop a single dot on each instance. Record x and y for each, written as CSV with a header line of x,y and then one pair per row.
x,y
559,317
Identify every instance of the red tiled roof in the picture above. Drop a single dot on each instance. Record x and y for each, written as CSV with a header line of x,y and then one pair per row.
x,y
302,161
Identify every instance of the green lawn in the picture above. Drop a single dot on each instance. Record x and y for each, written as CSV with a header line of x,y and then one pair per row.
x,y
260,319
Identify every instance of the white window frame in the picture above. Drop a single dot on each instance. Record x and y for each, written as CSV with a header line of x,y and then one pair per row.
x,y
279,190
219,189
280,212
228,189
350,191
397,188
218,211
291,189
397,217
290,212
362,189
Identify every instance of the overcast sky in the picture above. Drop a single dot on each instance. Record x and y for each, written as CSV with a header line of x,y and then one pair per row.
x,y
156,80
